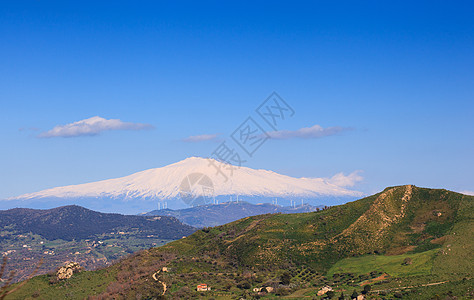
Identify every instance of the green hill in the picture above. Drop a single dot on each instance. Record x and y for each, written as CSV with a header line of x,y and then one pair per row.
x,y
74,222
406,241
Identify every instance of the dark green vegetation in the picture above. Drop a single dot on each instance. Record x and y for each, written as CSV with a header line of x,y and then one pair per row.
x,y
405,242
75,222
215,215
73,233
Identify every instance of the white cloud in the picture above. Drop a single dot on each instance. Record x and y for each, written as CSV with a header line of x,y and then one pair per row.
x,y
91,126
342,180
201,138
470,193
313,132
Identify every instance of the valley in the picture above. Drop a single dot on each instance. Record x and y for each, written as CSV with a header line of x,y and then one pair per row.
x,y
73,233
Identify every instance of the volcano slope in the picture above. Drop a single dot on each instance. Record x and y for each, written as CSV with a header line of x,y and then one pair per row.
x,y
405,242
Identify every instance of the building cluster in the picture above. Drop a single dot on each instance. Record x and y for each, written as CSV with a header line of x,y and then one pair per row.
x,y
203,287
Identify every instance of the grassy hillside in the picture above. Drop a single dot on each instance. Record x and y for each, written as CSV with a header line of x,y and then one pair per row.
x,y
422,264
348,246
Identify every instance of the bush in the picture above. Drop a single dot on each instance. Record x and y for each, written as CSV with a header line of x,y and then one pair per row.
x,y
285,278
282,291
244,285
398,295
330,294
367,289
53,279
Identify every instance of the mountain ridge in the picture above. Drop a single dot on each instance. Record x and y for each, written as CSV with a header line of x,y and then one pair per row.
x,y
168,184
73,221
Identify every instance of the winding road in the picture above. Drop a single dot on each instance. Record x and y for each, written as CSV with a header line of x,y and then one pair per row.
x,y
156,279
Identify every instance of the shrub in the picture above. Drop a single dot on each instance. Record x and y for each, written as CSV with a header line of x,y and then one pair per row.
x,y
282,291
285,278
407,261
244,285
366,289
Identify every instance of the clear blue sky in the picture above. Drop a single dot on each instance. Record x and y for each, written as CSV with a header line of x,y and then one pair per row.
x,y
399,74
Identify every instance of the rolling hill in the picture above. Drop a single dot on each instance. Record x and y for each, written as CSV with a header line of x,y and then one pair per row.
x,y
404,242
75,222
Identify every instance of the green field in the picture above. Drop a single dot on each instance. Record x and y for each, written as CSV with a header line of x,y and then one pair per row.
x,y
422,264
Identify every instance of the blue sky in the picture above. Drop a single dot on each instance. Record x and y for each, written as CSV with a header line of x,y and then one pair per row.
x,y
399,75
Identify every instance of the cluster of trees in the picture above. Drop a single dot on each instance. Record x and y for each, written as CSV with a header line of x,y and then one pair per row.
x,y
324,208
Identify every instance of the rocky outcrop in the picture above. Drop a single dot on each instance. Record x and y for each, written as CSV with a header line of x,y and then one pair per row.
x,y
68,270
324,290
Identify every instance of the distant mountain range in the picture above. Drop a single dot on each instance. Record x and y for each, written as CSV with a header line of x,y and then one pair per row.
x,y
219,214
77,234
191,182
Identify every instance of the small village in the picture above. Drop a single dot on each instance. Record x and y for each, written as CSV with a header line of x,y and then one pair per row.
x,y
24,249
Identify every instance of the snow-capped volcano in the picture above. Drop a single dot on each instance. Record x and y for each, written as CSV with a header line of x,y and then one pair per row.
x,y
169,182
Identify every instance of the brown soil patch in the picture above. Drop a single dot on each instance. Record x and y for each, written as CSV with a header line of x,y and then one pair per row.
x,y
417,228
383,213
371,281
439,240
400,250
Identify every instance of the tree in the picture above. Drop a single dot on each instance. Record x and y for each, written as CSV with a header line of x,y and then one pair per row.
x,y
285,278
282,291
366,289
341,297
354,294
330,294
244,285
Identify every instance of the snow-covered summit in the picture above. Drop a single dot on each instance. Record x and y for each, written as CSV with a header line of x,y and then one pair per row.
x,y
164,183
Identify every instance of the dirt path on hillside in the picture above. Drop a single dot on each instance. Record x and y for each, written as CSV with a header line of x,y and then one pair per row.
x,y
371,281
156,279
409,287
